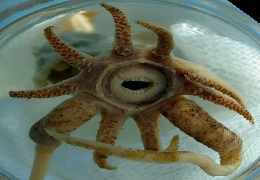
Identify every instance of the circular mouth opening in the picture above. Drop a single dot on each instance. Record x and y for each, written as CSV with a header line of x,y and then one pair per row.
x,y
136,85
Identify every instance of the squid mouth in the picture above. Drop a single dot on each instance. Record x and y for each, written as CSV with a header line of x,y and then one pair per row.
x,y
137,85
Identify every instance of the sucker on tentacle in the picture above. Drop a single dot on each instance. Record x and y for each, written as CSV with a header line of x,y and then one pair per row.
x,y
192,76
63,88
165,44
149,127
110,125
216,97
123,38
68,53
196,73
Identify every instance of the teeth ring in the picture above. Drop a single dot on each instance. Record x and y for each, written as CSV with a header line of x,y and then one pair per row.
x,y
143,79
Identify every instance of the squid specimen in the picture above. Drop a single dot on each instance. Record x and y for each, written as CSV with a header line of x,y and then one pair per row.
x,y
139,82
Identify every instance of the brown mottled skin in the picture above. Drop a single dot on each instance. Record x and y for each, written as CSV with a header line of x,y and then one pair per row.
x,y
142,83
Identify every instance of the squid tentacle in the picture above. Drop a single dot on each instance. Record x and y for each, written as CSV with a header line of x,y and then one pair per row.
x,y
189,71
42,160
61,119
149,126
63,88
197,123
216,97
204,81
68,53
160,157
174,144
110,126
165,43
123,38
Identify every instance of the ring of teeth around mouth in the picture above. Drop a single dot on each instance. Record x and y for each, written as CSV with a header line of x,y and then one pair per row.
x,y
137,85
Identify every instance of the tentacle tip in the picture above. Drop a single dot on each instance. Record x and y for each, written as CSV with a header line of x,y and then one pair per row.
x,y
174,144
248,116
18,94
106,6
252,121
107,166
142,23
11,93
50,28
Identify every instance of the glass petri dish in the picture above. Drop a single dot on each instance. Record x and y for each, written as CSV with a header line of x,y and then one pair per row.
x,y
212,33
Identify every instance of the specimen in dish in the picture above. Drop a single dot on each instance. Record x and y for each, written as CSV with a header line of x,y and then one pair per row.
x,y
139,82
